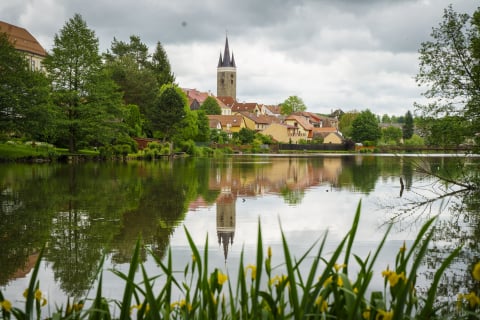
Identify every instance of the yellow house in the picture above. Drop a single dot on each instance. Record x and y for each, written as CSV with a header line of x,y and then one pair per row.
x,y
282,133
333,138
24,42
258,122
329,134
304,128
229,124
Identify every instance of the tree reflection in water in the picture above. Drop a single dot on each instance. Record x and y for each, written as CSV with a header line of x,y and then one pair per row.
x,y
447,190
86,211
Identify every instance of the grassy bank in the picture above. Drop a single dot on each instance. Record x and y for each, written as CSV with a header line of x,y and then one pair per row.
x,y
326,291
28,151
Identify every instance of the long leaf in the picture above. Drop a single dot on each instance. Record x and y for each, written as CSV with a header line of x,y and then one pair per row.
x,y
130,283
351,238
428,308
154,312
29,304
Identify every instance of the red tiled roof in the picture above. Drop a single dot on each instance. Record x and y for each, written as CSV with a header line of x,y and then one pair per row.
x,y
228,101
22,39
274,109
263,119
234,121
250,106
301,121
194,94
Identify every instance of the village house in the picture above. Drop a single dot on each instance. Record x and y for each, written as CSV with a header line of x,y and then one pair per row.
x,y
258,122
25,43
197,98
226,123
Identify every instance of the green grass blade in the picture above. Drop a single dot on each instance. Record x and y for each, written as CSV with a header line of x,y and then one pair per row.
x,y
130,283
427,311
420,253
154,312
29,303
258,269
351,238
368,272
294,298
309,299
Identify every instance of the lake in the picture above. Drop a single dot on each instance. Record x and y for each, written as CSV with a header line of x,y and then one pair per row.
x,y
83,212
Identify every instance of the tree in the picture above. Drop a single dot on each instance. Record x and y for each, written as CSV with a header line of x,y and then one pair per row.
x,y
133,119
246,135
449,68
129,67
292,104
203,127
386,118
392,134
345,123
85,96
169,111
445,131
135,49
161,66
25,107
139,74
407,129
365,127
211,106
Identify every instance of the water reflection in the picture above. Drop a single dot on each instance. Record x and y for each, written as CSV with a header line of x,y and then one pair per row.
x,y
83,212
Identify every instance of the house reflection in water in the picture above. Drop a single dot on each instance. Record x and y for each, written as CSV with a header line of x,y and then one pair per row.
x,y
251,179
226,219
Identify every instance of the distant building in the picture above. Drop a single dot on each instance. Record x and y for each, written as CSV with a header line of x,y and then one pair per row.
x,y
24,42
227,74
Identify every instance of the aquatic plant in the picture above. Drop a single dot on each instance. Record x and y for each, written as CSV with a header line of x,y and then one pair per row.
x,y
326,291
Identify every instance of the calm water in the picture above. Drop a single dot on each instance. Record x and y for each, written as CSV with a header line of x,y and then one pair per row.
x,y
85,211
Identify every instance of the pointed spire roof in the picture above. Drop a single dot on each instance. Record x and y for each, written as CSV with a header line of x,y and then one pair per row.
x,y
220,61
226,61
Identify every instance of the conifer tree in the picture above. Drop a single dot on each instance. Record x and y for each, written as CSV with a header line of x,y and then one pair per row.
x,y
86,97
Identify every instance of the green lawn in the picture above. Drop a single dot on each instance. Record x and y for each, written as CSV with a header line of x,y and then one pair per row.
x,y
18,151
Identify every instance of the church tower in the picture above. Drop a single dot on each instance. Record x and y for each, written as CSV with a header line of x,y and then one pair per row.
x,y
227,74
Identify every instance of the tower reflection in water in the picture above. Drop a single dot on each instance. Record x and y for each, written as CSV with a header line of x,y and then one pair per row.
x,y
226,219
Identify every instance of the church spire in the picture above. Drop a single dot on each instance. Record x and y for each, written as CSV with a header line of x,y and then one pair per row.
x,y
227,61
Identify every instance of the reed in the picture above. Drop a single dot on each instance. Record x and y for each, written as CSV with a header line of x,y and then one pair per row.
x,y
326,291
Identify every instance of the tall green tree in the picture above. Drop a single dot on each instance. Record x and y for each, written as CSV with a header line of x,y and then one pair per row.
x,y
135,49
160,65
87,98
408,126
365,127
139,74
25,107
211,106
292,104
169,111
449,69
203,127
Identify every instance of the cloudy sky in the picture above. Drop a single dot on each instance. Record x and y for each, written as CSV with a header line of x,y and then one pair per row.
x,y
348,54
